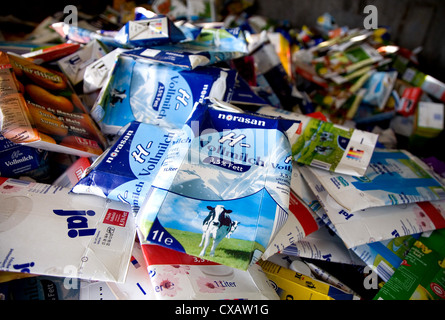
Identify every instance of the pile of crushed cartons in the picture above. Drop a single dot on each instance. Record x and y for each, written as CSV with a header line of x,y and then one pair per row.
x,y
163,157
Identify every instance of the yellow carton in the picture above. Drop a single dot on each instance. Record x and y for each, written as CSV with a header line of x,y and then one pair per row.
x,y
291,285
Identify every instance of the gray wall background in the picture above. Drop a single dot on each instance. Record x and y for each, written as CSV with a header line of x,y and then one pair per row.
x,y
412,23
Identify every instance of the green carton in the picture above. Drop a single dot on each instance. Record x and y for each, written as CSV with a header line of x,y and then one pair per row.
x,y
421,275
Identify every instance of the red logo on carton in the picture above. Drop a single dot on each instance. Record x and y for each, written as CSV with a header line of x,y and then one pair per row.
x,y
437,289
116,217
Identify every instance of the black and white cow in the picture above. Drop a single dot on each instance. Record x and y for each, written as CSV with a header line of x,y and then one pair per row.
x,y
233,227
117,96
216,225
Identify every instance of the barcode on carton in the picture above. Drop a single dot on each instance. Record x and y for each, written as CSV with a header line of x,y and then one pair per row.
x,y
384,271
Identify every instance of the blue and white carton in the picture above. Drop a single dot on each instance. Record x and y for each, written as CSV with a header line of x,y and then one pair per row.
x,y
222,193
124,172
140,90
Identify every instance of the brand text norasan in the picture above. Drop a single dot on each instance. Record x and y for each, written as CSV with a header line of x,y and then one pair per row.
x,y
252,121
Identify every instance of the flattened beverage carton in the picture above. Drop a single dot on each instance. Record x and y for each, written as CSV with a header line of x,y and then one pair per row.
x,y
140,90
176,275
46,230
75,65
393,177
301,222
125,171
323,245
384,257
148,32
383,222
326,145
421,274
210,46
222,192
292,285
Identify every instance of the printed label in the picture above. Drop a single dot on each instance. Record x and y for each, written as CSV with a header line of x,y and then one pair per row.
x,y
77,222
138,30
116,217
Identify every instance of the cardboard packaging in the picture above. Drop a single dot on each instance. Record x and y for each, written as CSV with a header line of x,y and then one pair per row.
x,y
46,230
176,275
17,160
421,275
42,111
291,285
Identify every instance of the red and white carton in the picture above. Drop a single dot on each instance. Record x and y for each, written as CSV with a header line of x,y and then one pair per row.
x,y
52,53
408,102
178,276
300,223
74,172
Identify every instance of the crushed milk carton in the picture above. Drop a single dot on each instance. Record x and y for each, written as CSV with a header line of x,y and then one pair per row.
x,y
140,90
176,275
304,219
394,177
228,175
47,230
301,222
125,171
377,223
148,32
211,46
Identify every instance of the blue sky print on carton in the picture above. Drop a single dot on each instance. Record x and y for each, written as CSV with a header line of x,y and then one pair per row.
x,y
239,161
157,94
194,211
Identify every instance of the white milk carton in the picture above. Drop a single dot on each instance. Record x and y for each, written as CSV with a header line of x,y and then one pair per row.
x,y
47,230
176,275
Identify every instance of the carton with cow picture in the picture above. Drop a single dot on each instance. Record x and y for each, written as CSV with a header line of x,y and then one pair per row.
x,y
222,192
